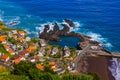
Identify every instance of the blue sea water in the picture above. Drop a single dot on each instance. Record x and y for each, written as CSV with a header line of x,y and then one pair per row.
x,y
99,19
66,41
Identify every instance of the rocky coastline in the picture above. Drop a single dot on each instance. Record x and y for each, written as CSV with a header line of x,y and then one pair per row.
x,y
88,59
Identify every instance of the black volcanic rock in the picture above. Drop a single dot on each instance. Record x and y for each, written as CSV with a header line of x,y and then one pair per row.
x,y
56,27
46,28
53,35
69,22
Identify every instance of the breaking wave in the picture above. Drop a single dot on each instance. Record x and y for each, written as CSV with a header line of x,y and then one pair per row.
x,y
99,38
41,26
115,68
31,32
1,15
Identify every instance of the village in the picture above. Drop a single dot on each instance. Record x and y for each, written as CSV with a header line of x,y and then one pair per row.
x,y
17,46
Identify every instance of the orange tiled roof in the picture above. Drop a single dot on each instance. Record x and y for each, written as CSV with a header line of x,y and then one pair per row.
x,y
5,45
14,36
17,61
54,68
82,43
30,48
39,66
3,38
20,39
52,63
10,51
21,32
4,56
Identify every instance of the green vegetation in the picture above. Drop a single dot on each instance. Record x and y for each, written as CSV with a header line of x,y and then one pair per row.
x,y
3,50
29,69
1,23
77,77
73,51
34,40
13,77
13,41
9,29
96,77
5,75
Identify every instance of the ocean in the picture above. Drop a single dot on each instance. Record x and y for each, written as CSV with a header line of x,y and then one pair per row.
x,y
99,19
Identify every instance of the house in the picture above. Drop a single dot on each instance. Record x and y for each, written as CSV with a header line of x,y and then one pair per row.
x,y
10,34
66,48
32,60
41,51
94,47
69,67
14,32
22,33
23,52
42,42
14,36
11,51
53,65
66,51
3,38
27,39
4,58
82,43
30,48
6,46
55,50
20,39
16,59
39,66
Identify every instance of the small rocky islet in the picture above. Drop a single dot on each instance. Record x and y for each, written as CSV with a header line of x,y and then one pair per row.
x,y
89,56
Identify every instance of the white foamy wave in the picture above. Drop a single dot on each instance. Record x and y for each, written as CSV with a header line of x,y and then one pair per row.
x,y
99,38
66,24
13,20
96,37
77,24
1,15
108,45
41,27
115,68
30,32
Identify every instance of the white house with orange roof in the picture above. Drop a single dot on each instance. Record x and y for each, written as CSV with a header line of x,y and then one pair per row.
x,y
14,32
4,57
3,39
11,51
22,33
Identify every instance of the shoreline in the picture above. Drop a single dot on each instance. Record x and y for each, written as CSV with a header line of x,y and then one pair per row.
x,y
87,48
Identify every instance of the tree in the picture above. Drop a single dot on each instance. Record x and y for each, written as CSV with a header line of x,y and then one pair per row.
x,y
23,68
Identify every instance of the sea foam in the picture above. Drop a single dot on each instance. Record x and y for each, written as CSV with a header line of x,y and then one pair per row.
x,y
100,38
1,15
115,68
